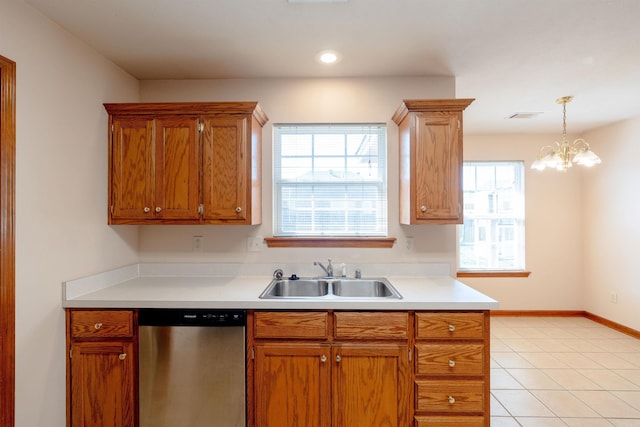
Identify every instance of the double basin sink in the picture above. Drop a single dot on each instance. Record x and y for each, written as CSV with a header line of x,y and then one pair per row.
x,y
330,287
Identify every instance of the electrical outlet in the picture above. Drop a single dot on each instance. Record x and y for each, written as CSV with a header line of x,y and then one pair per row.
x,y
613,298
255,244
409,243
197,243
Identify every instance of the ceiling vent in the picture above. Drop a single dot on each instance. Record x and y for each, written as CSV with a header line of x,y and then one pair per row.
x,y
316,1
523,115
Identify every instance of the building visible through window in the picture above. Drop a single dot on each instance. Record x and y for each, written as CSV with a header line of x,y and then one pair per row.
x,y
492,236
330,180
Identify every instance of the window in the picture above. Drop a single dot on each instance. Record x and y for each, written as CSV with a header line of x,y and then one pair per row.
x,y
330,180
492,236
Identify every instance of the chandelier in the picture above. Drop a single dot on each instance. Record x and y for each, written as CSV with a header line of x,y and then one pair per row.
x,y
562,155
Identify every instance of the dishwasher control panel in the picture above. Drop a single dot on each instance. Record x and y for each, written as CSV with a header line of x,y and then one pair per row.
x,y
191,317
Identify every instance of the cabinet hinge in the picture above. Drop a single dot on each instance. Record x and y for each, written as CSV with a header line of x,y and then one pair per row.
x,y
200,126
70,353
113,128
111,208
253,353
459,125
200,209
410,355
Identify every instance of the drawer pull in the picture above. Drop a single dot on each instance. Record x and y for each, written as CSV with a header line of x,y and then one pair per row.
x,y
97,326
146,209
452,400
238,209
158,208
452,328
423,208
323,358
122,356
452,363
338,358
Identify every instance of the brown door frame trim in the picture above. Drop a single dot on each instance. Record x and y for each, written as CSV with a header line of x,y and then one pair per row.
x,y
7,240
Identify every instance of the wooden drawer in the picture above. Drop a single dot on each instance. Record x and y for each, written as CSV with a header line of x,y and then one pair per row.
x,y
371,325
273,324
101,323
454,396
450,359
450,325
452,421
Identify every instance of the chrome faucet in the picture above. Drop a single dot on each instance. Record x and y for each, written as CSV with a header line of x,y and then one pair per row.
x,y
328,270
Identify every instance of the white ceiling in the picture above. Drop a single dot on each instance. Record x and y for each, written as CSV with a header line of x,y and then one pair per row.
x,y
511,55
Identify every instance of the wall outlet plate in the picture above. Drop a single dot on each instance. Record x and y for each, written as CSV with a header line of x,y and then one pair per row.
x,y
255,244
197,243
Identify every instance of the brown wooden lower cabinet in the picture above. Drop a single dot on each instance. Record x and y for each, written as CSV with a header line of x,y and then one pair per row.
x,y
370,385
292,384
101,368
452,384
103,379
319,381
307,368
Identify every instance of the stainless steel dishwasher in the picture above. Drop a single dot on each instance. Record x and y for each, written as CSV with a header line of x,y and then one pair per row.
x,y
192,368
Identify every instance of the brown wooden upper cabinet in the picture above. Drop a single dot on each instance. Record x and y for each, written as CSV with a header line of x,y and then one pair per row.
x,y
185,163
431,160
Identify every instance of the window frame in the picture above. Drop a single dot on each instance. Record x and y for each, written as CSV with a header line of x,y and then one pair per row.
x,y
330,240
495,272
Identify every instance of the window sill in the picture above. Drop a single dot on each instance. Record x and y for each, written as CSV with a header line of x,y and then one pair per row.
x,y
493,274
330,242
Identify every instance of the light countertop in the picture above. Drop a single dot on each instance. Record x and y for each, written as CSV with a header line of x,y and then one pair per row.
x,y
229,286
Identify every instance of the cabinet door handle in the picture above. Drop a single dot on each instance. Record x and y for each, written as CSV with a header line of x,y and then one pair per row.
x,y
338,358
158,208
323,358
238,209
97,326
452,328
423,208
146,209
452,400
122,356
452,363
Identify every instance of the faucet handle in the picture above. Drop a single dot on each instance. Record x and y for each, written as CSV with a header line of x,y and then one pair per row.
x,y
358,274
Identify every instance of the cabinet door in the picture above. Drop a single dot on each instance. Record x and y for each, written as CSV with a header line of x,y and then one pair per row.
x,y
177,168
292,385
102,384
226,165
438,167
132,168
371,385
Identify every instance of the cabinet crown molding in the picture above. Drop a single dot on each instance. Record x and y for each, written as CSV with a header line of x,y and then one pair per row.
x,y
409,105
186,108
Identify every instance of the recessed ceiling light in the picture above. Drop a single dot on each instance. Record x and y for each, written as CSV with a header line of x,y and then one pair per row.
x,y
328,57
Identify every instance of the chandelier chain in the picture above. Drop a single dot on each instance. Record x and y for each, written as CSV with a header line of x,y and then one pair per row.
x,y
564,121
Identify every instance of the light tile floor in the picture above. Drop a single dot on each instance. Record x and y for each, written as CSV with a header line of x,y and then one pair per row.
x,y
563,371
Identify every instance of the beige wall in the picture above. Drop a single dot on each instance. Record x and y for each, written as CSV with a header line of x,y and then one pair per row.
x,y
553,203
611,227
61,173
305,101
553,216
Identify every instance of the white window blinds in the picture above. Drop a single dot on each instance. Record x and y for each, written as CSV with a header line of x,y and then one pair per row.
x,y
330,180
